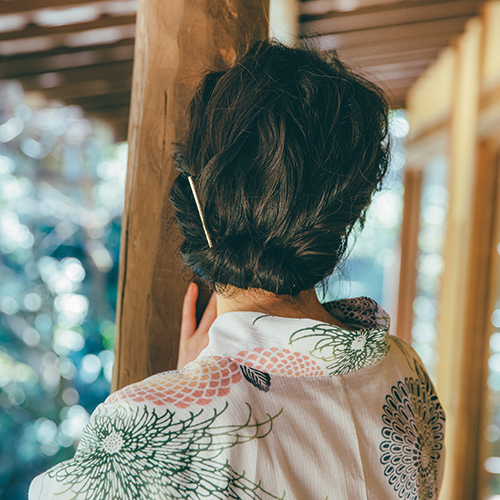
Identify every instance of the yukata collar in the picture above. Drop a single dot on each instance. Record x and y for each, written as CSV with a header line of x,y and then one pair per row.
x,y
303,346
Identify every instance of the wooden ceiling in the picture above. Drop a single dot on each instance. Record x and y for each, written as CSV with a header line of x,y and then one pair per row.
x,y
392,41
76,51
81,51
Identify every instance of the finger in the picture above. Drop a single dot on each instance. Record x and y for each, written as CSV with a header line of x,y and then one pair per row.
x,y
209,314
188,324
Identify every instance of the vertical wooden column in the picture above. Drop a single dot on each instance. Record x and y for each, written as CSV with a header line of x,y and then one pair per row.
x,y
284,21
409,252
176,41
482,285
454,336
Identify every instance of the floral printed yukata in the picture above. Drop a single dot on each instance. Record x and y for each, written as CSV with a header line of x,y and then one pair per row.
x,y
273,408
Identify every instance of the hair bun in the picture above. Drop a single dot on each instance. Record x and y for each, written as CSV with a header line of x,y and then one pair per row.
x,y
287,149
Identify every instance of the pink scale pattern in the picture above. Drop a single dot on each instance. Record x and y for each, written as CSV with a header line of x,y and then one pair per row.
x,y
280,362
197,383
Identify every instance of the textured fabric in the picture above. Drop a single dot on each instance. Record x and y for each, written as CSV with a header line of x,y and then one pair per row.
x,y
273,408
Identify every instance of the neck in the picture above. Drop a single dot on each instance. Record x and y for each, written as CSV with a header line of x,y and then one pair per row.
x,y
305,305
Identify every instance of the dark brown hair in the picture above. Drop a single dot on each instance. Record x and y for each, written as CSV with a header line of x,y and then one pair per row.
x,y
286,149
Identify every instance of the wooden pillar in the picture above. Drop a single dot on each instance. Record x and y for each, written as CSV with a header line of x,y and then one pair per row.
x,y
176,42
481,298
454,336
284,21
409,252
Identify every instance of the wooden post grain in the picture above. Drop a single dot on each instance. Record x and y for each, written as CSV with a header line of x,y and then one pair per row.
x,y
176,42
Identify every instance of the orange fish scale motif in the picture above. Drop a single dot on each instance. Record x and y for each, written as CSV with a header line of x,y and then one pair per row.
x,y
280,362
198,382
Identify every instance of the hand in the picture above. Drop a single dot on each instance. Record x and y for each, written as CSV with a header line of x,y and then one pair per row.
x,y
194,339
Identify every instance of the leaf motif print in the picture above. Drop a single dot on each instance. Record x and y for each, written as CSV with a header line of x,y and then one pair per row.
x,y
343,350
133,453
258,378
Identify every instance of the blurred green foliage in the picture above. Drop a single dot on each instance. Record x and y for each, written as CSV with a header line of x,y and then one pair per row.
x,y
61,199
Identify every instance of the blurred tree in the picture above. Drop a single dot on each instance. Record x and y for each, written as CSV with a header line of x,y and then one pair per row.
x,y
61,200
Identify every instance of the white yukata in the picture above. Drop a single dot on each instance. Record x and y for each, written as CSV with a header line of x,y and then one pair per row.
x,y
273,408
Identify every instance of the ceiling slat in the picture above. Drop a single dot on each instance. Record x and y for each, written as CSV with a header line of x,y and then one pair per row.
x,y
453,26
91,88
397,84
316,9
20,6
409,57
92,103
386,76
112,70
393,48
362,20
319,7
60,60
32,30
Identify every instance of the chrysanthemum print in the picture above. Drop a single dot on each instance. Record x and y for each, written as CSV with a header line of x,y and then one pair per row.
x,y
413,435
343,350
133,453
197,383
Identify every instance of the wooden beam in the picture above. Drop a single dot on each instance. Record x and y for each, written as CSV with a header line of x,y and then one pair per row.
x,y
395,86
397,80
407,290
94,102
320,7
398,58
15,7
402,13
76,76
54,44
16,67
452,26
392,71
32,30
118,111
177,40
86,89
406,47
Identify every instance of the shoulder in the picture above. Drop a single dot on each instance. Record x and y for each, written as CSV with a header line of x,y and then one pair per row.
x,y
414,377
147,435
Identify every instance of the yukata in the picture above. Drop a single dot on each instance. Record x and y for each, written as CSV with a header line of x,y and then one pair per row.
x,y
273,408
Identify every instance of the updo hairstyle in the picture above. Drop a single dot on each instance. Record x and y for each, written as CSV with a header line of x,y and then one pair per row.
x,y
286,149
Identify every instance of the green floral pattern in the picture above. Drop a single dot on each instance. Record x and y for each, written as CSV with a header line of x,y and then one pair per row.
x,y
135,453
344,350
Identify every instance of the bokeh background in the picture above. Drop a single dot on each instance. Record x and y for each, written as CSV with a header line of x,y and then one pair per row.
x,y
429,252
